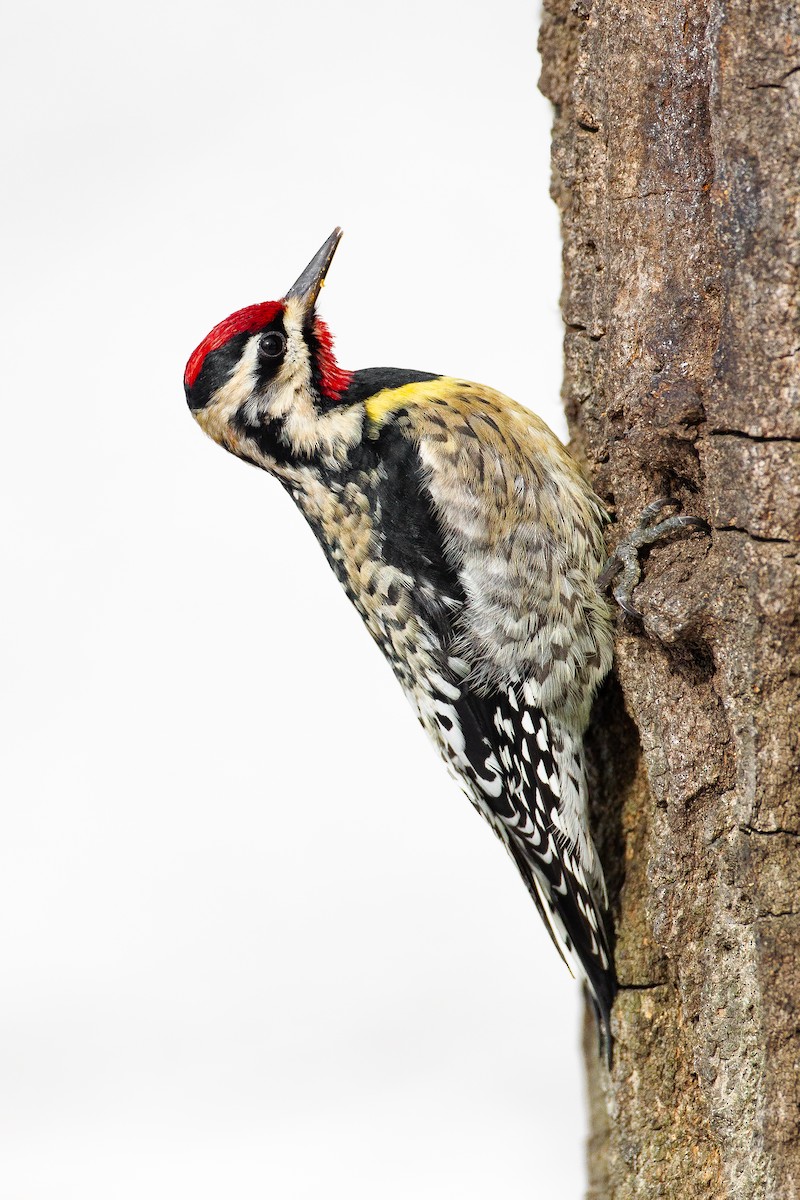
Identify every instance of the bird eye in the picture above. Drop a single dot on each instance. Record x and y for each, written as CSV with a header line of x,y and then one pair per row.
x,y
271,345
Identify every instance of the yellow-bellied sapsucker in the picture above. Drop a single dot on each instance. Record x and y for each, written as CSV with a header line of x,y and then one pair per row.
x,y
471,545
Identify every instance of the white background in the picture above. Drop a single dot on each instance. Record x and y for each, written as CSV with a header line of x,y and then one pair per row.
x,y
253,940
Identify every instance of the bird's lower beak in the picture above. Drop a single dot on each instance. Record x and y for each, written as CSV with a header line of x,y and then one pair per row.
x,y
307,287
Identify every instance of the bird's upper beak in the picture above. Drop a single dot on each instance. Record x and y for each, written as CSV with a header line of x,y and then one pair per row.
x,y
307,287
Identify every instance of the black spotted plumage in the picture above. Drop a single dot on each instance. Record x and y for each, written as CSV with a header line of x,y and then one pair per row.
x,y
387,472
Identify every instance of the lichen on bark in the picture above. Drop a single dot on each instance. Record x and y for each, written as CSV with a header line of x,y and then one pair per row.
x,y
676,167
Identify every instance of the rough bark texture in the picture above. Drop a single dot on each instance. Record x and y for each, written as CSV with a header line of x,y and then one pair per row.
x,y
677,171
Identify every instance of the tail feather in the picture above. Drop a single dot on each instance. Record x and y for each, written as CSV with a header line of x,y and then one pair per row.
x,y
566,925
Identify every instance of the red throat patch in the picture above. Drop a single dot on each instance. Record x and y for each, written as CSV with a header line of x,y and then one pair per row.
x,y
246,320
333,381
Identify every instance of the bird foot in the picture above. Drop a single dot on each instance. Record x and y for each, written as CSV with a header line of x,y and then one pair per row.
x,y
624,562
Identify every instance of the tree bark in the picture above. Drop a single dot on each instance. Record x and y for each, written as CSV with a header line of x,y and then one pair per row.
x,y
676,166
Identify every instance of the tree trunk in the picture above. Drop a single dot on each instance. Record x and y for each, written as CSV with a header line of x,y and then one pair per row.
x,y
676,159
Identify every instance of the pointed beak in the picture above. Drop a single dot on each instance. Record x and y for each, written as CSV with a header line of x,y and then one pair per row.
x,y
307,287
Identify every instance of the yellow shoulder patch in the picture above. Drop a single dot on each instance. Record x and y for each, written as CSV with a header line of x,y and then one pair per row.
x,y
379,406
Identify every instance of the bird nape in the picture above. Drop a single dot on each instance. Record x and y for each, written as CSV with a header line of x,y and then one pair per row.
x,y
471,545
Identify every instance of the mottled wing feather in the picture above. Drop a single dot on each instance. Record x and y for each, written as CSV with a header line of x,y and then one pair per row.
x,y
523,530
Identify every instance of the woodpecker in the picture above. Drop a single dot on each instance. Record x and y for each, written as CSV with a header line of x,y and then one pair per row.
x,y
471,544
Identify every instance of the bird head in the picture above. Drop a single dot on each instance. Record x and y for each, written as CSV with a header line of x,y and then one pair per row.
x,y
265,384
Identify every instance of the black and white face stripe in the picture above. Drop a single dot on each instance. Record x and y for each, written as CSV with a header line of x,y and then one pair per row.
x,y
220,364
217,369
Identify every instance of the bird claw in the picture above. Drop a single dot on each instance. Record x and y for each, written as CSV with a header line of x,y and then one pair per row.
x,y
625,559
